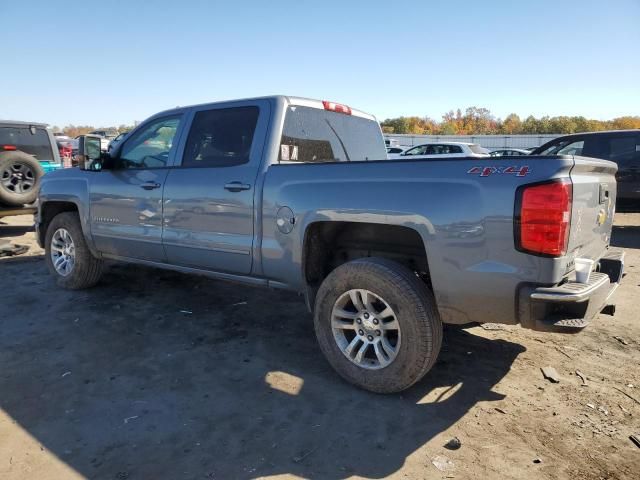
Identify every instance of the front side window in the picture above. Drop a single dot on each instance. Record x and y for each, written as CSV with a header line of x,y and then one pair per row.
x,y
150,146
221,137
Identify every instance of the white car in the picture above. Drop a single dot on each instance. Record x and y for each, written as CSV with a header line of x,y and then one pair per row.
x,y
442,150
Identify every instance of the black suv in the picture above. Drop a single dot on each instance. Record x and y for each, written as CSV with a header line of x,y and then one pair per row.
x,y
620,146
27,152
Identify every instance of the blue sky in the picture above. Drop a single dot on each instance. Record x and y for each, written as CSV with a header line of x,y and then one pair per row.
x,y
69,62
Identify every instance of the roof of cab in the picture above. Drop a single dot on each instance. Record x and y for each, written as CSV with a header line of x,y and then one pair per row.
x,y
9,123
291,100
600,132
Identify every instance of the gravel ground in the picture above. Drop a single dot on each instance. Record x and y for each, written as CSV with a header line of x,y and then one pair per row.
x,y
155,374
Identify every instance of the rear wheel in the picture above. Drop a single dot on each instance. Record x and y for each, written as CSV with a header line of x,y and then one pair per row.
x,y
67,255
20,176
377,324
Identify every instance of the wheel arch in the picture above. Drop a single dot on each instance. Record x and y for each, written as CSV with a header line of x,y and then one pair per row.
x,y
49,209
328,244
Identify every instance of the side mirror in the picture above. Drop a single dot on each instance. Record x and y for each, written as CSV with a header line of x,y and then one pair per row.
x,y
89,153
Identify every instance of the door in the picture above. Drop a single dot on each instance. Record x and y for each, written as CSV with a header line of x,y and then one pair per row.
x,y
209,197
126,199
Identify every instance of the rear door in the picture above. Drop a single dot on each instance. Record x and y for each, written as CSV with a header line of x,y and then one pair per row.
x,y
209,197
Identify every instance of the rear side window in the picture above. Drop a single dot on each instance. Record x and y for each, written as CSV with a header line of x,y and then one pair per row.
x,y
311,135
443,149
625,150
622,149
221,138
30,140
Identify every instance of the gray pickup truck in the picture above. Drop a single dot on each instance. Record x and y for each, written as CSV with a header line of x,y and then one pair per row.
x,y
299,194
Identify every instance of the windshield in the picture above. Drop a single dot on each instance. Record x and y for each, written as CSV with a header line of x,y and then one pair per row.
x,y
311,135
564,147
475,148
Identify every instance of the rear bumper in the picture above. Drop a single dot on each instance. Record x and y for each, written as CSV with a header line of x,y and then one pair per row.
x,y
570,307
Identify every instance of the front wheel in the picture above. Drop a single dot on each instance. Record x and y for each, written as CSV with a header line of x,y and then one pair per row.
x,y
377,324
67,255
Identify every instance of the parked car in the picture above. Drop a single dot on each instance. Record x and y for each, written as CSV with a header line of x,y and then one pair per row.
x,y
619,146
289,193
443,150
27,151
509,152
106,136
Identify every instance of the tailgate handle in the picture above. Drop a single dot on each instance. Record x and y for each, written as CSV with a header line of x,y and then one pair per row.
x,y
604,192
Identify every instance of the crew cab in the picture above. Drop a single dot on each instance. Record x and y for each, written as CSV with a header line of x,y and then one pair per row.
x,y
294,193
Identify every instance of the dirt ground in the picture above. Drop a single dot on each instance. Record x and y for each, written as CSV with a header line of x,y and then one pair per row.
x,y
160,375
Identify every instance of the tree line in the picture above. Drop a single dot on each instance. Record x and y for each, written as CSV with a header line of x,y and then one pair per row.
x,y
480,121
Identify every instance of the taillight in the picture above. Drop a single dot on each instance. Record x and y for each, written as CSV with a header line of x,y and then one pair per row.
x,y
336,107
543,216
9,147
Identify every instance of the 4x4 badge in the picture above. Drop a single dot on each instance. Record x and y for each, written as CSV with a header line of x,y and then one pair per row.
x,y
518,171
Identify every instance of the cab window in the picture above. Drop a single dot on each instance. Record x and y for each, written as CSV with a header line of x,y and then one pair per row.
x,y
221,137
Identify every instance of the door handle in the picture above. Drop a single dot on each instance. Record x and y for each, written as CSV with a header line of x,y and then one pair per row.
x,y
150,185
237,186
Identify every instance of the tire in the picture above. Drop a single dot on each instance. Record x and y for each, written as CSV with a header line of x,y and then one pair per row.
x,y
86,269
386,284
20,176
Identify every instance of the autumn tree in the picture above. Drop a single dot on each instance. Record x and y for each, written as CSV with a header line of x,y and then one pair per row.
x,y
511,125
480,121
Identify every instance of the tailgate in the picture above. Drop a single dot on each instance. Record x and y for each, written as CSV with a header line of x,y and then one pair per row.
x,y
594,199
